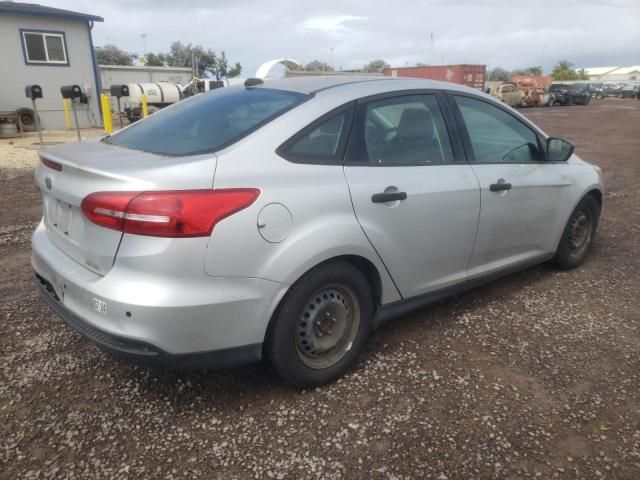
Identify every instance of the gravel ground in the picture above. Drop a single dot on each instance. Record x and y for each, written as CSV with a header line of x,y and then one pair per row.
x,y
21,153
533,376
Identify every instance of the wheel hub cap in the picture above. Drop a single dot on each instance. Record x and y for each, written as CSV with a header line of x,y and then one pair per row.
x,y
325,327
580,233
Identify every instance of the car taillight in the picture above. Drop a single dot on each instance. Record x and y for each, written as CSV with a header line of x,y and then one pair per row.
x,y
51,164
174,213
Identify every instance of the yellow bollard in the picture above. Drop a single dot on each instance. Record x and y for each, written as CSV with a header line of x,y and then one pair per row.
x,y
67,114
145,109
106,113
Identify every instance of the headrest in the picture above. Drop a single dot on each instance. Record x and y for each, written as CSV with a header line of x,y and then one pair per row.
x,y
415,123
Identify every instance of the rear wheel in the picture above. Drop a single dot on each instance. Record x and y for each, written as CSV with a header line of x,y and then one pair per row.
x,y
578,234
321,326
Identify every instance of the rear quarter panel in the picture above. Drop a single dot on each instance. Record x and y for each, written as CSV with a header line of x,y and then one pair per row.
x,y
317,197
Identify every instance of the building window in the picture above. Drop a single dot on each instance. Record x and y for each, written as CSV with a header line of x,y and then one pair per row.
x,y
41,47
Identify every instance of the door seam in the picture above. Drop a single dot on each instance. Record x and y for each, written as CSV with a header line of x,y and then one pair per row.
x,y
353,208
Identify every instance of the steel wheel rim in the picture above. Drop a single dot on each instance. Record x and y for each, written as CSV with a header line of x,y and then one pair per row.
x,y
327,326
580,233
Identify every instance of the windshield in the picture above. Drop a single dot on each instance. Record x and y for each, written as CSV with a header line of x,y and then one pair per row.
x,y
206,122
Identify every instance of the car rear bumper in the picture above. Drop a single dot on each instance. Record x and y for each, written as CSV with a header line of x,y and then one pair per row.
x,y
155,320
141,353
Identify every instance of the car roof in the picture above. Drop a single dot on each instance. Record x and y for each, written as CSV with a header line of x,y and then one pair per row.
x,y
313,84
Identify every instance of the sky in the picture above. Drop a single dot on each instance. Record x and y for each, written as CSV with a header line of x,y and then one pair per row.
x,y
348,34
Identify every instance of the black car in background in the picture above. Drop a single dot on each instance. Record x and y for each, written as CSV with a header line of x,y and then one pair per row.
x,y
570,93
629,91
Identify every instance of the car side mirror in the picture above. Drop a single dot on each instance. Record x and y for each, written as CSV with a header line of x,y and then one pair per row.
x,y
559,150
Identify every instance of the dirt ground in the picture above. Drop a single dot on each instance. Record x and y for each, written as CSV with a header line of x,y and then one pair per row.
x,y
533,376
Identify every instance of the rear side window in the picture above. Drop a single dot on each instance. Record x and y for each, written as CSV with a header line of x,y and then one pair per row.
x,y
207,122
323,141
404,130
495,135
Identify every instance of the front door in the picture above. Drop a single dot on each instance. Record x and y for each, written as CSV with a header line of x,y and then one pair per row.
x,y
523,198
417,206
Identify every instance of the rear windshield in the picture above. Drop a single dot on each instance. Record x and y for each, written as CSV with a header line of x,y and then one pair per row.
x,y
206,122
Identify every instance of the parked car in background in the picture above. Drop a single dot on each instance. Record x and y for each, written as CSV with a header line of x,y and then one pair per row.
x,y
612,89
596,90
629,91
509,93
570,94
286,219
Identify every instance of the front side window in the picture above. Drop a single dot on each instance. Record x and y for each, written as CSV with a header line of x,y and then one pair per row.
x,y
405,130
206,122
495,135
44,47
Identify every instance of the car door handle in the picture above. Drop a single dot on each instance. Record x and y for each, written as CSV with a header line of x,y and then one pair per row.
x,y
388,197
498,187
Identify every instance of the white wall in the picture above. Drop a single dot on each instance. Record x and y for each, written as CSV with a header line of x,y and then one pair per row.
x,y
15,74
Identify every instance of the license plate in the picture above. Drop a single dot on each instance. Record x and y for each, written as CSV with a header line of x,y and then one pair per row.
x,y
100,306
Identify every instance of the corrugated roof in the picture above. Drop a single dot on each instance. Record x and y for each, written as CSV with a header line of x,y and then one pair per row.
x,y
44,11
627,70
599,70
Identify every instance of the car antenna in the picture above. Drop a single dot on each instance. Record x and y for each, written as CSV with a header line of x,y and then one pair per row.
x,y
252,82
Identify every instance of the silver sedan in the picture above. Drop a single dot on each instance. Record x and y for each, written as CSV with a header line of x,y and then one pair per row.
x,y
285,220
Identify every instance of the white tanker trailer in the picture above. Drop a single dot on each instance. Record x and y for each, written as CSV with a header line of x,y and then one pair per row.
x,y
163,94
158,94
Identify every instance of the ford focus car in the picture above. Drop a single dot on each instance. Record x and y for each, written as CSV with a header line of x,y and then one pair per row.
x,y
285,220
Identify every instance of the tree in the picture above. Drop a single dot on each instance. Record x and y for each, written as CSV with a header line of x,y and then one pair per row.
x,y
181,56
498,74
582,74
225,70
318,66
564,71
155,60
375,66
112,55
533,71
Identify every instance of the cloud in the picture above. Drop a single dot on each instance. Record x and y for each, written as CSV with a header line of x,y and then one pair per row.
x,y
513,34
337,23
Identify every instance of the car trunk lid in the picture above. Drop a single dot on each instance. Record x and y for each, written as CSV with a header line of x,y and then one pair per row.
x,y
94,166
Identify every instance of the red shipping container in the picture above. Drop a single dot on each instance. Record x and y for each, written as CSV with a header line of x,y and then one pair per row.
x,y
472,76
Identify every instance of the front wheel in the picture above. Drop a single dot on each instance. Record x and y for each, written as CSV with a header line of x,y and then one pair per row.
x,y
321,326
578,234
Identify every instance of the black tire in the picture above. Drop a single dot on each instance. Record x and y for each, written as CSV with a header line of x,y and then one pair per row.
x,y
570,101
28,119
579,234
292,326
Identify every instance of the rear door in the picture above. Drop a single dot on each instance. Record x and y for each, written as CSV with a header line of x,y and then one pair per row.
x,y
521,194
418,206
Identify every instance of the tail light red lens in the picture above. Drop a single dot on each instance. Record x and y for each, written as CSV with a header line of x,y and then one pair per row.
x,y
175,213
51,164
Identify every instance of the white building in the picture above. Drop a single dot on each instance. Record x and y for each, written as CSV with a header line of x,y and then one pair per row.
x,y
118,74
614,74
49,47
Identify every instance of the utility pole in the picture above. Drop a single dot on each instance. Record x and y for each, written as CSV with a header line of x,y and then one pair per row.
x,y
331,57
